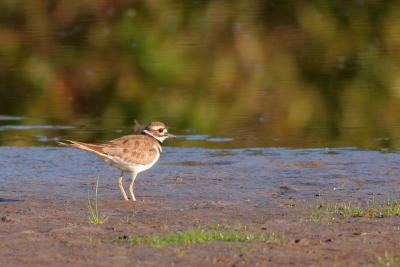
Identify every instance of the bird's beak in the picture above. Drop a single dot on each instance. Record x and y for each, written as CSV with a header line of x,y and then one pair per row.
x,y
170,135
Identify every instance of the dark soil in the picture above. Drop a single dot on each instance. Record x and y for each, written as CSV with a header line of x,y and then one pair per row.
x,y
39,232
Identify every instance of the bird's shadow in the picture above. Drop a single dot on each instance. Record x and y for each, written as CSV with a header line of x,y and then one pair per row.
x,y
9,200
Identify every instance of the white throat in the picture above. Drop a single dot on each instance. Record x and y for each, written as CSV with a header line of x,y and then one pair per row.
x,y
159,138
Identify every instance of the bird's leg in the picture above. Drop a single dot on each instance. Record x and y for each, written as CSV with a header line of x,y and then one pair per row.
x,y
121,187
131,186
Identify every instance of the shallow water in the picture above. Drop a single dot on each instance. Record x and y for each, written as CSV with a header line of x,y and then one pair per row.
x,y
231,175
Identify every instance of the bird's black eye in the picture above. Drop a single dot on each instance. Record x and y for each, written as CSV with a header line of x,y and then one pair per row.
x,y
160,130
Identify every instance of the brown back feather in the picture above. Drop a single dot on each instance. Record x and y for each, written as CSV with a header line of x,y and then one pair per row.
x,y
140,149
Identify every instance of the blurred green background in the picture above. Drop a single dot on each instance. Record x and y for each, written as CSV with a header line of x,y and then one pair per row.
x,y
244,73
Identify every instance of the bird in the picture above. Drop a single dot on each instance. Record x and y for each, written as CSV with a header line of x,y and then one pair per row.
x,y
131,153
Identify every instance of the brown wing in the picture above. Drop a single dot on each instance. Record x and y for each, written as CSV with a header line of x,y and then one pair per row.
x,y
133,148
138,149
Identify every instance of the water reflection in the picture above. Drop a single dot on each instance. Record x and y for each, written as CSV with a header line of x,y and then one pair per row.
x,y
243,73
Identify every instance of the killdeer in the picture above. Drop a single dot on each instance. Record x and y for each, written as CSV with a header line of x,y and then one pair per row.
x,y
130,153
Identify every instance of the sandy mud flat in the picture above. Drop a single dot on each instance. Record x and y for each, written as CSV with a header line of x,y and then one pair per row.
x,y
323,208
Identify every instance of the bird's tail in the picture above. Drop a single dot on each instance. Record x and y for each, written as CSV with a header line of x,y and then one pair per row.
x,y
84,146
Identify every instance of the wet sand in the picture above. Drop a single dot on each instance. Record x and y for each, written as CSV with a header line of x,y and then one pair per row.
x,y
44,191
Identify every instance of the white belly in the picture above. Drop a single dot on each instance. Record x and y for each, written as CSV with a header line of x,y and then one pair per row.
x,y
140,167
126,166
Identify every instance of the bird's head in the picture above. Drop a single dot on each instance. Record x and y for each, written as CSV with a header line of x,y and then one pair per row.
x,y
158,130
